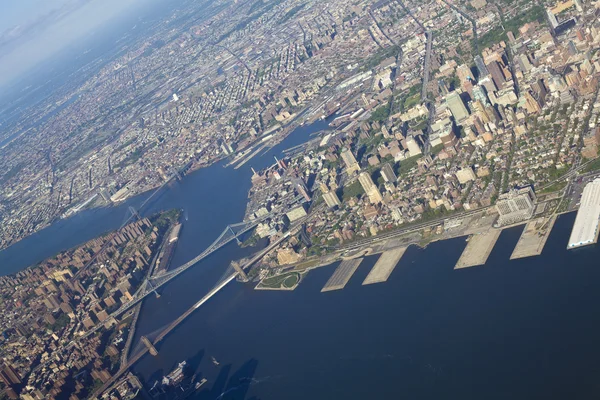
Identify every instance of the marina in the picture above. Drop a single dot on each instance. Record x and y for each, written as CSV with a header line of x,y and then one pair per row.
x,y
342,275
384,267
478,249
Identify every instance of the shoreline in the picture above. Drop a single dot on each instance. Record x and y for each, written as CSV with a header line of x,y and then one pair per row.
x,y
387,244
286,131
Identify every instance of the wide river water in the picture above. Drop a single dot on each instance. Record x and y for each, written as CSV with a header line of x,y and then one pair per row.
x,y
521,329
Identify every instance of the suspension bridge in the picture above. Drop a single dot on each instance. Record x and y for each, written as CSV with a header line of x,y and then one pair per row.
x,y
148,341
152,283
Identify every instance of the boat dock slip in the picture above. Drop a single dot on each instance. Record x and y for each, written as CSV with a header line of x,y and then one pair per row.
x,y
382,270
478,249
342,275
534,236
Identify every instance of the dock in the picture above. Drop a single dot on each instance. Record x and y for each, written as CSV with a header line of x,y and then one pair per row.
x,y
533,239
384,266
342,275
478,249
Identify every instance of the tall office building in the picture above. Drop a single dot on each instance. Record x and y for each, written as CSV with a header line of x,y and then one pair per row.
x,y
370,188
481,68
350,161
331,199
302,189
9,376
480,95
457,107
387,172
497,74
552,19
464,73
414,149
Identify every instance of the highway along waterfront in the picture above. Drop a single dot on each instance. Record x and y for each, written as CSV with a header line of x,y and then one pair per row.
x,y
429,332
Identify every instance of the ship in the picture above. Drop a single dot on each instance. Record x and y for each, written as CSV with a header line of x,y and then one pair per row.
x,y
214,361
200,383
176,376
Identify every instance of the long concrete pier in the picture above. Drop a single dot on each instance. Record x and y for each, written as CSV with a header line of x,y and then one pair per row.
x,y
534,237
478,249
384,266
342,275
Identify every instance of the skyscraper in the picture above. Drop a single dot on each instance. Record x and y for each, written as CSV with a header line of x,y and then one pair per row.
x,y
9,376
457,107
387,172
370,188
331,199
350,161
481,68
302,189
497,74
479,94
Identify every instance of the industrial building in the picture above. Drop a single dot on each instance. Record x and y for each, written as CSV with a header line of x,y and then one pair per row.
x,y
515,206
585,229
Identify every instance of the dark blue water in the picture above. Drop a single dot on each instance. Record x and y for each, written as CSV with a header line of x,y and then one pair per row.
x,y
522,329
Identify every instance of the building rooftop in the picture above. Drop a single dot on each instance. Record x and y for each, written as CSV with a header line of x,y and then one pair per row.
x,y
585,229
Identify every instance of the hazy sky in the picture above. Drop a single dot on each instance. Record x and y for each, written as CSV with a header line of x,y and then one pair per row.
x,y
17,12
33,30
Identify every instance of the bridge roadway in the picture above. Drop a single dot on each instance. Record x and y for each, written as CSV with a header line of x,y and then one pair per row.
x,y
136,357
131,217
151,284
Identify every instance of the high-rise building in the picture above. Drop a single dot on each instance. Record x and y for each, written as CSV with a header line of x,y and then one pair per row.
x,y
497,74
350,161
457,107
331,199
552,19
480,95
481,68
413,146
9,376
302,189
464,73
387,172
370,188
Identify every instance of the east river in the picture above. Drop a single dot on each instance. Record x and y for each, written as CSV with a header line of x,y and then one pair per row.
x,y
521,329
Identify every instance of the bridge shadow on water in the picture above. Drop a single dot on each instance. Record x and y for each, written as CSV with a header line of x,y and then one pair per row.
x,y
228,384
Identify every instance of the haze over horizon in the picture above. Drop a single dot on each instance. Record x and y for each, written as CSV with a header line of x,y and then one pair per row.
x,y
31,31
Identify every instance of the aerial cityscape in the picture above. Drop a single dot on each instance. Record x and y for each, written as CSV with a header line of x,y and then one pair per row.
x,y
327,132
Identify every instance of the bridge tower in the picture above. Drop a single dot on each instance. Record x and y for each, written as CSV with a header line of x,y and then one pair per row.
x,y
240,271
150,346
153,289
237,239
134,213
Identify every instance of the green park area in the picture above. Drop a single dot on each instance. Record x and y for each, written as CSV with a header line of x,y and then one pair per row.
x,y
284,281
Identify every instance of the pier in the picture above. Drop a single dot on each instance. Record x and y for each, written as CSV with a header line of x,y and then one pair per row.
x,y
342,275
478,249
533,239
384,266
